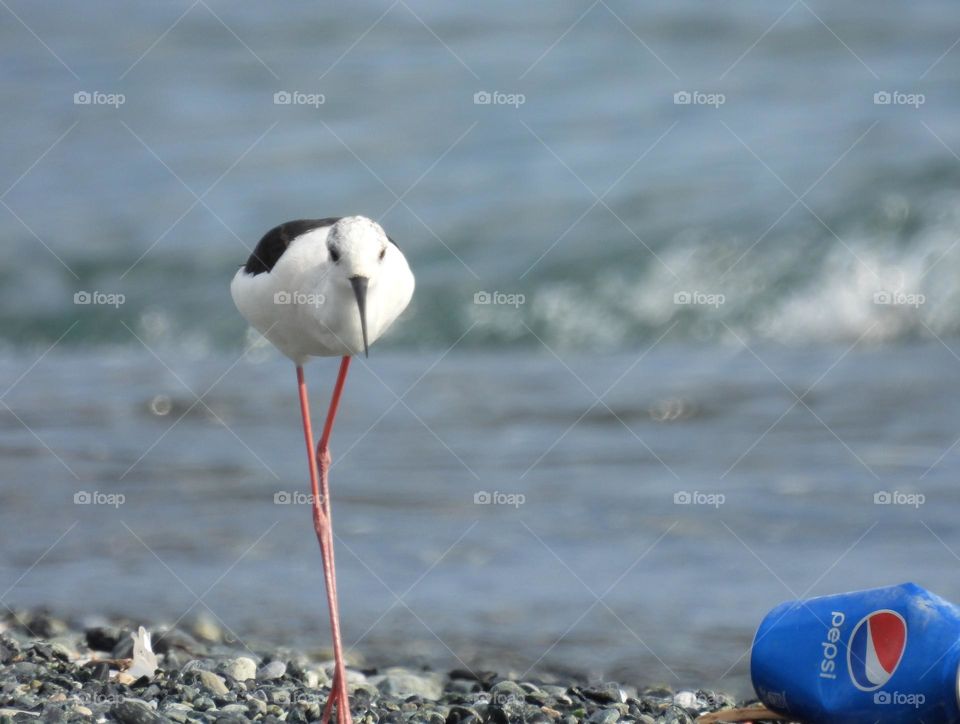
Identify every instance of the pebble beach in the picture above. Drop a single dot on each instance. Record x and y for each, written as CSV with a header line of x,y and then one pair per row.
x,y
55,671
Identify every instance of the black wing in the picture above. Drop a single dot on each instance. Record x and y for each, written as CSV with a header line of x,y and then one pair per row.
x,y
275,242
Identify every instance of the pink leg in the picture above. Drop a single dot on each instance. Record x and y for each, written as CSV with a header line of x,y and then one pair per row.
x,y
322,526
339,683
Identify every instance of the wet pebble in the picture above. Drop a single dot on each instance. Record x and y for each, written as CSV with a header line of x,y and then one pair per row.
x,y
241,668
271,671
103,638
135,712
213,683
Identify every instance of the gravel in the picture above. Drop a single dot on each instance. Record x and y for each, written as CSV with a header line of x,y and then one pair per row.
x,y
50,674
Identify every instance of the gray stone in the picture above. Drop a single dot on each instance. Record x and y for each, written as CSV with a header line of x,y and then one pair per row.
x,y
605,693
353,676
604,716
241,668
204,703
206,628
311,710
177,712
505,692
366,691
134,712
213,683
463,686
103,638
402,683
6,712
9,648
233,710
676,715
174,640
256,706
315,678
271,671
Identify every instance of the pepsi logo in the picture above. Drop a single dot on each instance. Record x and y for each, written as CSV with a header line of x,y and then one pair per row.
x,y
876,648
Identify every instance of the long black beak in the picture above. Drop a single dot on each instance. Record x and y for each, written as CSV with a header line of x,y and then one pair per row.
x,y
360,292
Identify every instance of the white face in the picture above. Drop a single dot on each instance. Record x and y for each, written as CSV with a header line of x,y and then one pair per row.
x,y
357,246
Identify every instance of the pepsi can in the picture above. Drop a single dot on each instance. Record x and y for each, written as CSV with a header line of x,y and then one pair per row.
x,y
883,655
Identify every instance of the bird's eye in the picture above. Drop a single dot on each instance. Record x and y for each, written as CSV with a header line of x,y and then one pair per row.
x,y
334,255
383,253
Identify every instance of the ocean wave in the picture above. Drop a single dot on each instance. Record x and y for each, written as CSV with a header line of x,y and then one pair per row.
x,y
887,277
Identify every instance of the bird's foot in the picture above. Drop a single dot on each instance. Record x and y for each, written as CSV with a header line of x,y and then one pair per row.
x,y
338,698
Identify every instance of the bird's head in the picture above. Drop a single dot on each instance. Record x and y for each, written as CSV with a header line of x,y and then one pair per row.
x,y
357,246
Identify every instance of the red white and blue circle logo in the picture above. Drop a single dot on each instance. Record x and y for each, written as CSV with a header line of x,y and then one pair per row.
x,y
876,648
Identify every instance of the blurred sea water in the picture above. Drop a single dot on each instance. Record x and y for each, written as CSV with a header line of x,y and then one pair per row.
x,y
747,301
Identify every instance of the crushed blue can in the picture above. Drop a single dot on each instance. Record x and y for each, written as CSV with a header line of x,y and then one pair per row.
x,y
877,656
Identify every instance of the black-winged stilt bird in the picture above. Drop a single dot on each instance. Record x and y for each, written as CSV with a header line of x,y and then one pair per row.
x,y
324,288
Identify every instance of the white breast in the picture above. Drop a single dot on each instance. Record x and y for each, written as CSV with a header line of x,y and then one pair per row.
x,y
306,307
